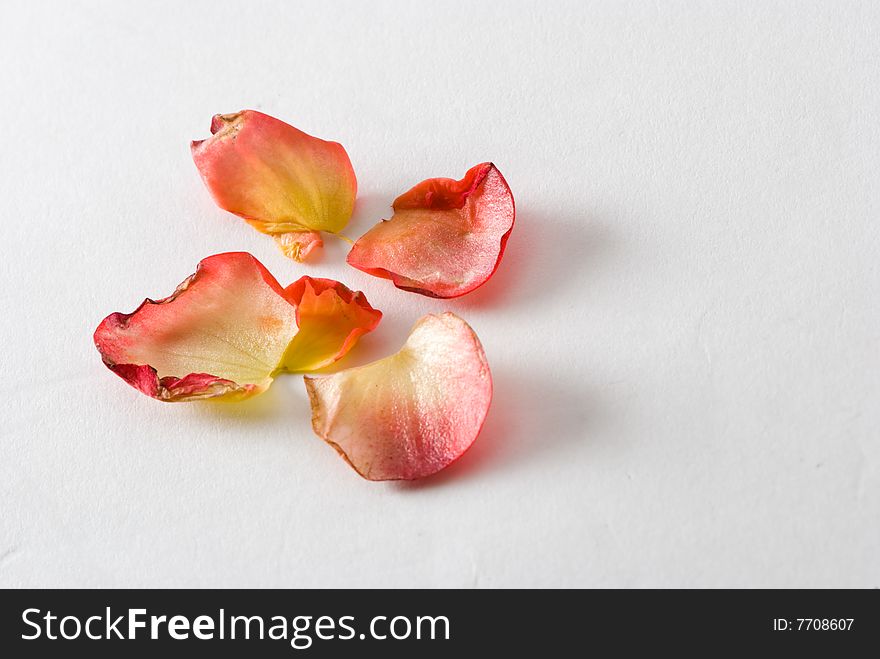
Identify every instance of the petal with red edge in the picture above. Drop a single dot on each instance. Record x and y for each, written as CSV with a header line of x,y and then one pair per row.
x,y
411,414
445,238
225,332
221,334
331,318
283,181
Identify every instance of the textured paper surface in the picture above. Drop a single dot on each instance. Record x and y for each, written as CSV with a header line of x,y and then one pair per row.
x,y
684,330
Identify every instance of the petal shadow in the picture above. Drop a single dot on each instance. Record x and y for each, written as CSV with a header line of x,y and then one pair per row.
x,y
528,420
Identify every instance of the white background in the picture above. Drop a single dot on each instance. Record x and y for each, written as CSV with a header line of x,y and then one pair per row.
x,y
683,332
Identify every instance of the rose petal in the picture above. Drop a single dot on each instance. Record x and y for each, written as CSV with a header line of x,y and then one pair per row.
x,y
446,237
331,319
282,181
411,414
227,330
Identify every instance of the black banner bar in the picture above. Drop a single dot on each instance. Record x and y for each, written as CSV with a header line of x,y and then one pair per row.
x,y
289,623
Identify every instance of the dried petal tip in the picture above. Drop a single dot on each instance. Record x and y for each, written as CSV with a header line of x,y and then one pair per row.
x,y
284,182
446,237
228,329
298,245
411,414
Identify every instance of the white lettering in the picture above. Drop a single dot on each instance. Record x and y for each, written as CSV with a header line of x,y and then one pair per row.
x,y
24,618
